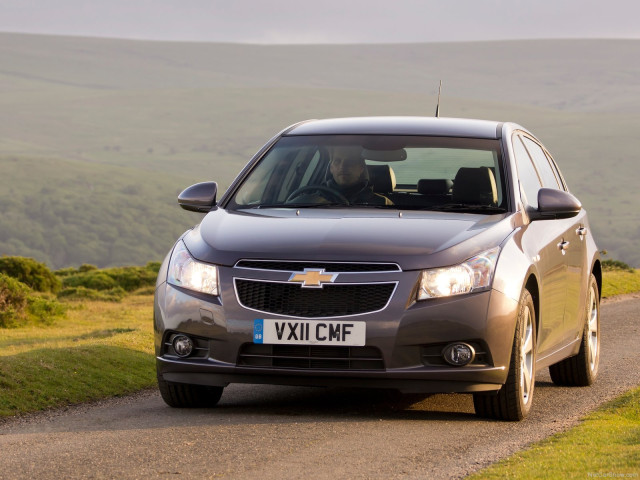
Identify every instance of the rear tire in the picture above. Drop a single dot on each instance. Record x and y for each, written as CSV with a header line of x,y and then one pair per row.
x,y
184,395
513,400
581,370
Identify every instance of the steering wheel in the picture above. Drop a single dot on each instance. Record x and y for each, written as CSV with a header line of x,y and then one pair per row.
x,y
334,195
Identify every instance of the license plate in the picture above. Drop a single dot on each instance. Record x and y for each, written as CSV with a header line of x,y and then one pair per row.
x,y
305,332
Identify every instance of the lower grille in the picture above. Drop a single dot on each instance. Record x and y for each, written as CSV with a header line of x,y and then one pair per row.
x,y
329,301
310,357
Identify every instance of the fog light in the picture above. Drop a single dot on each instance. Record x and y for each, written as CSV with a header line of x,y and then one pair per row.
x,y
458,354
182,345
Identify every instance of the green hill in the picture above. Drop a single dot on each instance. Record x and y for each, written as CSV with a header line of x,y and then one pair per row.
x,y
98,136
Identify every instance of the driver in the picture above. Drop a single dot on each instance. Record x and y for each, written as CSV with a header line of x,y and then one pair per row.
x,y
350,177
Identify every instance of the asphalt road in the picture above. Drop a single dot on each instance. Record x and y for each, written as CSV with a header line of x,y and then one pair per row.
x,y
271,432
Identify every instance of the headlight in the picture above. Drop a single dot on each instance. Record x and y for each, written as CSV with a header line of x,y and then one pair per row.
x,y
186,272
474,274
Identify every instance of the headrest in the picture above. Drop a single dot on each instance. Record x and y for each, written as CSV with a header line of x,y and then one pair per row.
x,y
475,186
434,186
382,178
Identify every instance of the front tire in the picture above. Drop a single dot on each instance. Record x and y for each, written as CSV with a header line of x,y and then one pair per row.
x,y
581,370
513,401
184,395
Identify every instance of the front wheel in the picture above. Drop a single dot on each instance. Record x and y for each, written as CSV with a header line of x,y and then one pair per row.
x,y
513,400
581,370
184,395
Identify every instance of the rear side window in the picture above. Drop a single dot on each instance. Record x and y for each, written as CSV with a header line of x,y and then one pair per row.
x,y
541,162
529,180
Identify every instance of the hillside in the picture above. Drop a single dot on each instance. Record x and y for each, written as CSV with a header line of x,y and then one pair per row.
x,y
139,121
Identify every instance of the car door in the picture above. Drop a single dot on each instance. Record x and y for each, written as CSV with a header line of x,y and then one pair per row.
x,y
572,245
576,258
543,241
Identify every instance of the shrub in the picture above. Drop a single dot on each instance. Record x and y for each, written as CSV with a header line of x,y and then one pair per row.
x,y
132,278
85,267
127,278
13,301
45,310
30,272
20,305
94,280
82,293
615,265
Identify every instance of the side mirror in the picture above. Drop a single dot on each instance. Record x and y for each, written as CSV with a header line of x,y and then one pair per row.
x,y
554,204
200,197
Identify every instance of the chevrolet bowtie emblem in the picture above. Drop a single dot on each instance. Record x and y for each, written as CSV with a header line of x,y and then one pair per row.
x,y
313,278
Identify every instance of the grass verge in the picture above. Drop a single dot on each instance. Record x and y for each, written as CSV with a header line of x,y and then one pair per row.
x,y
605,445
101,349
619,282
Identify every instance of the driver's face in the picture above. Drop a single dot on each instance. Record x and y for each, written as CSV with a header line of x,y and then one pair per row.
x,y
346,165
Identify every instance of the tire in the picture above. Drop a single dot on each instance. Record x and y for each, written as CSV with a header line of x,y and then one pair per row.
x,y
581,370
513,401
184,395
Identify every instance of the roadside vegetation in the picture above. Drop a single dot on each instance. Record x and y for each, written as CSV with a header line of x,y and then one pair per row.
x,y
605,445
73,335
619,278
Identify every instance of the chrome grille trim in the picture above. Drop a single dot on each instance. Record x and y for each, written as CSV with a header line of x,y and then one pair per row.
x,y
328,266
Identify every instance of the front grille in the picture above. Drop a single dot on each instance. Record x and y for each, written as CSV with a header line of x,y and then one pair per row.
x,y
330,301
333,267
310,357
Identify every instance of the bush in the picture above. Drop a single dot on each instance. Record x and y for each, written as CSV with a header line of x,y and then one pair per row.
x,y
127,278
615,265
45,310
85,267
154,267
13,301
20,305
132,278
30,272
94,280
81,293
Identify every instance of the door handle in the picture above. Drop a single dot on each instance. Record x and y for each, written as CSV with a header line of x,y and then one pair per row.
x,y
581,231
563,246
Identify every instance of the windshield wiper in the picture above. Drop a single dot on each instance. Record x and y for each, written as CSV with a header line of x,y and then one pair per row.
x,y
300,205
466,207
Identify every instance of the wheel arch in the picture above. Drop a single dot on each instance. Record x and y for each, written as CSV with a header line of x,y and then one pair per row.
x,y
596,270
532,286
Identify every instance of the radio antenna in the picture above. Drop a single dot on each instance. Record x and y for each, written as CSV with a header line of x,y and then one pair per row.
x,y
438,105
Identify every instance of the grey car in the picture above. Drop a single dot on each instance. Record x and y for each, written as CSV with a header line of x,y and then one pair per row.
x,y
419,254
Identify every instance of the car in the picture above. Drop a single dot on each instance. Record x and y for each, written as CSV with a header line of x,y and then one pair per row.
x,y
418,254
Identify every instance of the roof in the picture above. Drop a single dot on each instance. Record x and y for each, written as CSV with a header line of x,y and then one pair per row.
x,y
445,127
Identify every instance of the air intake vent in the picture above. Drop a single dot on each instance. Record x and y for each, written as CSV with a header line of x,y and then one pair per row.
x,y
310,357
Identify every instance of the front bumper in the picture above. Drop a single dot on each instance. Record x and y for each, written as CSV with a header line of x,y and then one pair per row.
x,y
402,332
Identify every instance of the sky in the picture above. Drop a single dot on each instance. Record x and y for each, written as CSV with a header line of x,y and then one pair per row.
x,y
324,21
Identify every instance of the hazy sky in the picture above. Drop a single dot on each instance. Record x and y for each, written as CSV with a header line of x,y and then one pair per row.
x,y
325,21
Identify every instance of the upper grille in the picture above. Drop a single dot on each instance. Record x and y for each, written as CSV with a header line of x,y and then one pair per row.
x,y
311,357
330,301
334,267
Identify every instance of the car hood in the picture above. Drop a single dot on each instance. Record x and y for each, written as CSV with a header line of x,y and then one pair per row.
x,y
413,240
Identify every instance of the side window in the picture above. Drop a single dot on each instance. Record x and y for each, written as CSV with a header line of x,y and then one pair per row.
x,y
541,161
529,181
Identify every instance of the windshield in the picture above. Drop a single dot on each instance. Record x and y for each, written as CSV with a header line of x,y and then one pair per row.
x,y
355,171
